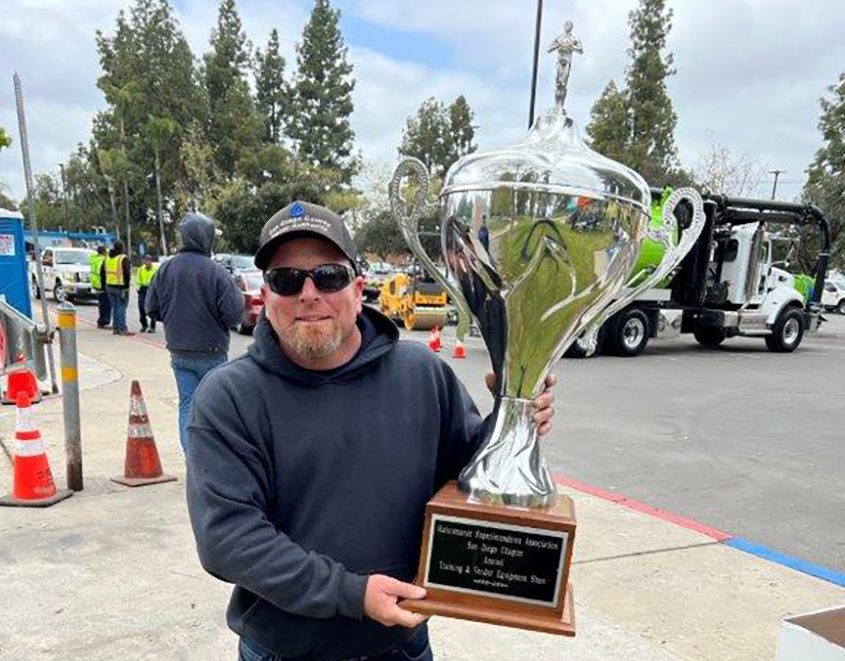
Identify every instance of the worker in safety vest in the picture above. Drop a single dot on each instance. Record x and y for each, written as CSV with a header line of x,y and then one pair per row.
x,y
103,303
145,277
117,273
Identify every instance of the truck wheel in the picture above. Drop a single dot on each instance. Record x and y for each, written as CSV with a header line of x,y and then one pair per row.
x,y
709,336
575,351
627,334
841,307
59,292
36,292
787,332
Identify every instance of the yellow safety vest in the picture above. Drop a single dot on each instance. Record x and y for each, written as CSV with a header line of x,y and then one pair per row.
x,y
96,262
114,271
145,275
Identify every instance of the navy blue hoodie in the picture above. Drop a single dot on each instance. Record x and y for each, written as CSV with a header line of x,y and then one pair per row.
x,y
302,483
194,297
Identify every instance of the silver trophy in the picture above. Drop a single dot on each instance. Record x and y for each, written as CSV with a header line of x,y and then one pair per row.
x,y
565,227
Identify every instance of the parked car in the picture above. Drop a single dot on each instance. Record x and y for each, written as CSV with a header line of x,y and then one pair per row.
x,y
249,282
235,263
833,296
67,273
374,276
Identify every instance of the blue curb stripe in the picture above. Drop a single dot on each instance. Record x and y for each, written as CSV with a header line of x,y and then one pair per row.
x,y
818,571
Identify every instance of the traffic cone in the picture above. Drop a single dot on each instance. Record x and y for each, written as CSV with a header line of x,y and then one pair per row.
x,y
437,338
432,341
21,381
459,351
33,482
142,463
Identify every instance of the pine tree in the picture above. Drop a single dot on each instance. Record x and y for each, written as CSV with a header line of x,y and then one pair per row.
x,y
438,135
271,91
147,70
608,129
234,126
322,99
826,176
461,130
651,147
425,136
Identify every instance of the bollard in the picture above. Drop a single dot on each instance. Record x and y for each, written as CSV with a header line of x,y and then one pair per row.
x,y
70,395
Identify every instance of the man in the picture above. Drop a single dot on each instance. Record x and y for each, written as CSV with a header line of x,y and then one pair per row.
x,y
312,458
145,277
117,273
103,303
198,303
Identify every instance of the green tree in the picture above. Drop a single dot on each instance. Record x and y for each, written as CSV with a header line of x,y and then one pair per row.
x,y
148,55
322,98
636,125
5,140
461,129
652,118
609,130
380,236
271,90
158,132
438,135
826,180
426,136
234,126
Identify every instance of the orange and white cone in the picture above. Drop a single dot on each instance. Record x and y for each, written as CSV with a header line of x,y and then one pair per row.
x,y
460,351
21,381
33,482
437,338
142,464
433,343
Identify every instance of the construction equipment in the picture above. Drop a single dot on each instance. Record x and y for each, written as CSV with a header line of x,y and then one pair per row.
x,y
415,300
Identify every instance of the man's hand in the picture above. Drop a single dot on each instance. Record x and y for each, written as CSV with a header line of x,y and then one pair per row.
x,y
543,409
382,597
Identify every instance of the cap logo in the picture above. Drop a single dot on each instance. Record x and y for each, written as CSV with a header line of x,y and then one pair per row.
x,y
297,210
306,223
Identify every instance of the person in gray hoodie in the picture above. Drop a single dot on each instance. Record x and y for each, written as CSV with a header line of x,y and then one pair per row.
x,y
312,457
198,303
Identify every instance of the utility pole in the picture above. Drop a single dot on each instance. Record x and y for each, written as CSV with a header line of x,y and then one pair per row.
x,y
536,60
64,194
777,173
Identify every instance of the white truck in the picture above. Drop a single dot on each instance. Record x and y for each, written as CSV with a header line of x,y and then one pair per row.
x,y
833,296
729,284
67,274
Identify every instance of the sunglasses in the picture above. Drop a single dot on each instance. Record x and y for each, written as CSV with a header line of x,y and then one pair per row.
x,y
328,278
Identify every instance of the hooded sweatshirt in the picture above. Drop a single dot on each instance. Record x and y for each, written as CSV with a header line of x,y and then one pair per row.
x,y
194,297
302,483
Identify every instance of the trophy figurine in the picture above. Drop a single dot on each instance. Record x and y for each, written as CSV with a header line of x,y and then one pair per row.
x,y
565,230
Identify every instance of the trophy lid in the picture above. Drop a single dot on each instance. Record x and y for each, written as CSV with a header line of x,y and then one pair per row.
x,y
552,156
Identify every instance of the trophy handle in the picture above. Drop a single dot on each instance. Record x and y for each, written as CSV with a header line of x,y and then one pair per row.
x,y
672,256
407,217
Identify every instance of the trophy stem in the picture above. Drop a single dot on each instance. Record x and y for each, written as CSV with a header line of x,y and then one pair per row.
x,y
509,468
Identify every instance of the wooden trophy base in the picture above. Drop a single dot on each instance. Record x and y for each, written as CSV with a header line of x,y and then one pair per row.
x,y
497,563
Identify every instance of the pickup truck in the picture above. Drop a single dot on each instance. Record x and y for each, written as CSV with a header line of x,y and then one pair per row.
x,y
833,296
67,273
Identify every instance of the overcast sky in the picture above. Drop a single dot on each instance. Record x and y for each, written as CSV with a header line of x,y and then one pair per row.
x,y
749,72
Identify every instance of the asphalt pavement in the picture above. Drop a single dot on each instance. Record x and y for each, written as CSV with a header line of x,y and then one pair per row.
x,y
742,440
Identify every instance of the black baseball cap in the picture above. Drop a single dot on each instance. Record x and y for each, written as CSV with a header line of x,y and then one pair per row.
x,y
303,219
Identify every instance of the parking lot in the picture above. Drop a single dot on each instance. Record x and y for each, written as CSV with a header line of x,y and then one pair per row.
x,y
738,438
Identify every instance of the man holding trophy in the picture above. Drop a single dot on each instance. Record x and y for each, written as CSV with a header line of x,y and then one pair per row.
x,y
357,490
309,495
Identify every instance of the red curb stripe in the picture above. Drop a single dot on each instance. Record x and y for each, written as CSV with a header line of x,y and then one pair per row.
x,y
636,505
586,488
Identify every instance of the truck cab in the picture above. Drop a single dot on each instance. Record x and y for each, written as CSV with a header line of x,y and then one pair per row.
x,y
730,284
67,274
